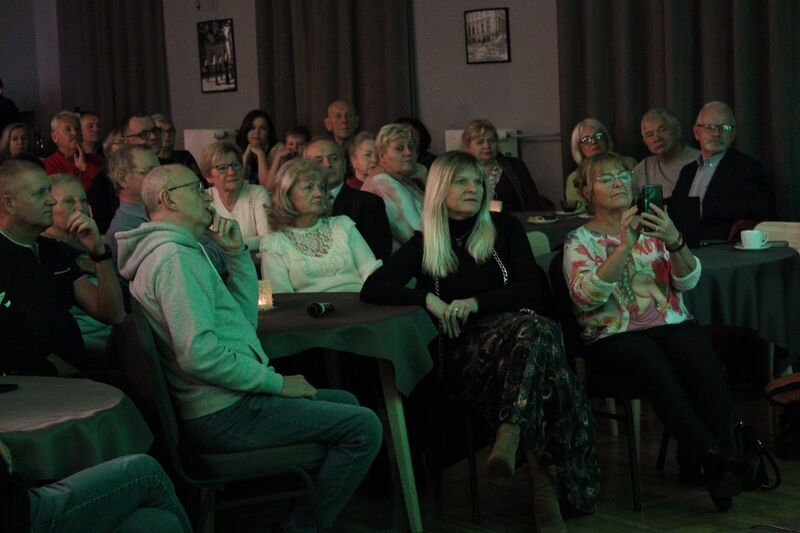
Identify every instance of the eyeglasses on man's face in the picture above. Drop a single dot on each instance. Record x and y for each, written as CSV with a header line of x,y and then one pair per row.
x,y
194,186
711,128
222,168
145,134
607,180
592,139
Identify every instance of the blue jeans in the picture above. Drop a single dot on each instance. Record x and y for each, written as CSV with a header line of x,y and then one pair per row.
x,y
127,494
353,433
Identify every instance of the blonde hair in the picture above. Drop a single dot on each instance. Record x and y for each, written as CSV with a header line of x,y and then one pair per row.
x,y
592,165
393,132
575,140
438,258
283,213
214,152
476,128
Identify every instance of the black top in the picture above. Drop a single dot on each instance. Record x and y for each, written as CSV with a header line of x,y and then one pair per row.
x,y
527,285
516,188
368,211
36,294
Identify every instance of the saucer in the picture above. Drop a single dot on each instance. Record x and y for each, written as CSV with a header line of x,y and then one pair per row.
x,y
536,220
569,213
585,215
739,246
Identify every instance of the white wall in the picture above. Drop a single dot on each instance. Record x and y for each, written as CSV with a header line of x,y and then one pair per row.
x,y
522,94
192,108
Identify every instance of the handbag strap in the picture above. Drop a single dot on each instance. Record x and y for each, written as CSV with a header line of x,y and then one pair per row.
x,y
777,471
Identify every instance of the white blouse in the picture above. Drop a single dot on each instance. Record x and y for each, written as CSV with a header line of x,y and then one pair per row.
x,y
330,256
250,212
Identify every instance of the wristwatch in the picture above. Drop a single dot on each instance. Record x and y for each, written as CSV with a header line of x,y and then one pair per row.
x,y
101,257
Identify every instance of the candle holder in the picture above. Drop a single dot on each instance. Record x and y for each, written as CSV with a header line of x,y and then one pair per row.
x,y
265,295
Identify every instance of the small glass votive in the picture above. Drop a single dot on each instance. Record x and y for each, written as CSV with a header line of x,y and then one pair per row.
x,y
264,295
496,206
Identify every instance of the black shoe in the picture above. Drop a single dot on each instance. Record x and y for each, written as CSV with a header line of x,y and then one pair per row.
x,y
723,485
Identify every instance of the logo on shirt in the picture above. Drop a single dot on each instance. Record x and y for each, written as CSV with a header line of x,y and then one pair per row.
x,y
5,303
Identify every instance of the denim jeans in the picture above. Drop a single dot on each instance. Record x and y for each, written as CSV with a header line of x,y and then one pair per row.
x,y
127,494
352,432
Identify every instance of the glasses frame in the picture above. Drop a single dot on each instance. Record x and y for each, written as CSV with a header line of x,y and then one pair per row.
x,y
144,134
198,190
594,138
628,173
722,128
236,166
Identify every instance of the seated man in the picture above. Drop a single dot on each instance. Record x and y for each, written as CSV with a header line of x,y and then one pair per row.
x,y
341,121
731,185
39,283
228,397
661,132
70,158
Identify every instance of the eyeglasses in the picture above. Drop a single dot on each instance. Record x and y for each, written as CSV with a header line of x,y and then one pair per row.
x,y
711,128
592,139
144,134
197,187
222,168
142,171
608,179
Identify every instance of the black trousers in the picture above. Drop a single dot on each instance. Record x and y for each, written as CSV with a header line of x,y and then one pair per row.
x,y
681,376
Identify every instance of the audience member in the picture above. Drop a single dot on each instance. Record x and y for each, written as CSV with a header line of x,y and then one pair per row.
x,y
130,493
246,203
255,138
39,283
366,210
70,158
70,198
509,178
228,397
402,197
477,277
309,251
101,194
341,121
363,158
424,156
138,128
731,185
626,274
589,137
661,132
8,110
168,154
91,133
15,142
295,141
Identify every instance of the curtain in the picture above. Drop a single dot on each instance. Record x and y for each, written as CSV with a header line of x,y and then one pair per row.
x,y
112,57
312,52
619,58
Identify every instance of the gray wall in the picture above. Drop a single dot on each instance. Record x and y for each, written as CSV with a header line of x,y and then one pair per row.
x,y
522,94
192,108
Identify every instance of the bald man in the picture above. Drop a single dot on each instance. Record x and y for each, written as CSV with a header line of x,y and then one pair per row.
x,y
342,121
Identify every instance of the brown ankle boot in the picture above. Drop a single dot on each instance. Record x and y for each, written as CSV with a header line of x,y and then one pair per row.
x,y
546,512
503,458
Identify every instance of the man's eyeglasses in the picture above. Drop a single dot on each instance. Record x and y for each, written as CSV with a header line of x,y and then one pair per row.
x,y
592,139
144,134
196,187
711,128
608,179
222,168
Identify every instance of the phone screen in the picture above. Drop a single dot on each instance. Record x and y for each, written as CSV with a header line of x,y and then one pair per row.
x,y
651,194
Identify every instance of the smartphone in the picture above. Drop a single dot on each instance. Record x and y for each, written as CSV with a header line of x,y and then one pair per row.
x,y
651,194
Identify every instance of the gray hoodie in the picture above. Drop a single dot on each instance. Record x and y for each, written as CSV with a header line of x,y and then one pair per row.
x,y
207,330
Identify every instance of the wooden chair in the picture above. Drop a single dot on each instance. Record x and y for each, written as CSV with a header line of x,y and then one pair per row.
x,y
212,471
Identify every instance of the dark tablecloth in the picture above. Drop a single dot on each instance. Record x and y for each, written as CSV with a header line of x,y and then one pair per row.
x,y
556,231
399,334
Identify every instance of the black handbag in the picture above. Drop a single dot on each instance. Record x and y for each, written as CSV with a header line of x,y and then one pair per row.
x,y
756,461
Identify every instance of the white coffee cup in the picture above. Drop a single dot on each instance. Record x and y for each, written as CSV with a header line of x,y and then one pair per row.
x,y
753,239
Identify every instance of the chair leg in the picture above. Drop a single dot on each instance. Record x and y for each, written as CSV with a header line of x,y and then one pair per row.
x,y
611,407
473,472
633,458
662,450
636,406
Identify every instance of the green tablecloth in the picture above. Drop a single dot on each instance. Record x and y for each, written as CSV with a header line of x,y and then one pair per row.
x,y
55,427
399,334
556,231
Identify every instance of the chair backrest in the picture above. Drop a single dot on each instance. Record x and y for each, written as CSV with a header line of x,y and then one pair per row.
x,y
573,344
539,242
782,231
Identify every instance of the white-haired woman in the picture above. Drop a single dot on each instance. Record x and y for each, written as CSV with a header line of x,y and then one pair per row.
x,y
396,145
478,278
221,164
308,250
589,137
363,158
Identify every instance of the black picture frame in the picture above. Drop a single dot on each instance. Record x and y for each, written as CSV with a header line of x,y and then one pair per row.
x,y
487,36
217,54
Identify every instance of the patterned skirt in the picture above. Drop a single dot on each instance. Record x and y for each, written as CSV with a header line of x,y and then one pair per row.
x,y
512,367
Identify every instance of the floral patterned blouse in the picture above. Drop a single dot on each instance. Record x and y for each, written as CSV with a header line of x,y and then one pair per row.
x,y
647,295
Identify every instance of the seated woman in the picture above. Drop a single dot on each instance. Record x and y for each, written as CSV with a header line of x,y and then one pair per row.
x,y
309,251
397,155
424,155
589,137
478,278
626,273
363,158
255,138
16,142
168,153
247,204
509,178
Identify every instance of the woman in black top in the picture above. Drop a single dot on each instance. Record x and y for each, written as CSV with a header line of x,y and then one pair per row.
x,y
477,276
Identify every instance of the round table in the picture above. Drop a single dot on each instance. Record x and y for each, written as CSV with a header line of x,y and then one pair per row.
x,y
556,231
55,427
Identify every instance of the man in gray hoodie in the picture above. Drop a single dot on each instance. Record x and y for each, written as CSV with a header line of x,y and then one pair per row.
x,y
228,397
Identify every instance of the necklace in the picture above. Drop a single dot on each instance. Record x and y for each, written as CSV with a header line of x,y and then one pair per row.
x,y
460,240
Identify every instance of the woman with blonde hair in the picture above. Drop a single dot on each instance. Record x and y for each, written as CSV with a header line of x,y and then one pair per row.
x,y
16,141
396,145
309,251
477,277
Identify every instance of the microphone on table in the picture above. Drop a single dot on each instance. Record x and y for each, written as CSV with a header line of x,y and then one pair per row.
x,y
320,309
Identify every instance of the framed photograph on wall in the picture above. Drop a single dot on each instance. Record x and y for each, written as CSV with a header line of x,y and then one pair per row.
x,y
217,56
487,36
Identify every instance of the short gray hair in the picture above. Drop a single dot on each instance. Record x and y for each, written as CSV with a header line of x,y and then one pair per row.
x,y
61,115
721,105
391,132
664,115
11,171
355,142
58,180
157,181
